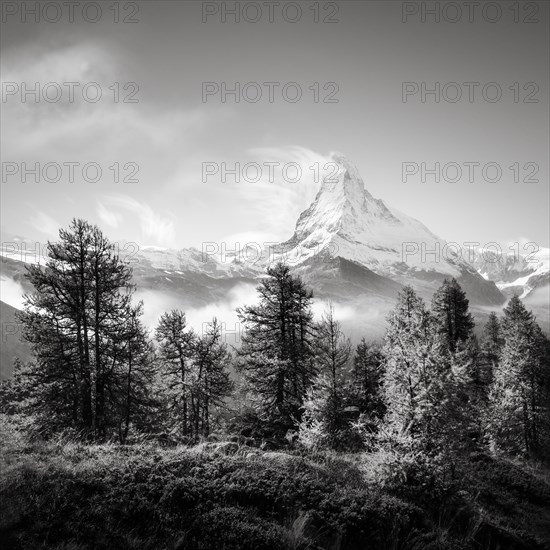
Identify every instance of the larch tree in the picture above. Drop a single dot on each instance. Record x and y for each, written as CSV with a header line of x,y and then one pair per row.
x,y
520,394
176,342
323,422
422,380
72,321
138,381
491,347
276,355
366,381
450,309
211,381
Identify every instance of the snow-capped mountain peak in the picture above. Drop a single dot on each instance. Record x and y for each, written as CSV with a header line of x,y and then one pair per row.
x,y
353,184
347,221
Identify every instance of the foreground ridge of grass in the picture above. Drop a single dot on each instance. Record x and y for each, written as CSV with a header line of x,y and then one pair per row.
x,y
220,495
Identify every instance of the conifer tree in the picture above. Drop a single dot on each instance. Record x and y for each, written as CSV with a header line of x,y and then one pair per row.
x,y
366,380
72,321
211,381
276,355
138,381
423,382
194,372
491,348
450,311
412,365
14,391
323,422
520,394
176,344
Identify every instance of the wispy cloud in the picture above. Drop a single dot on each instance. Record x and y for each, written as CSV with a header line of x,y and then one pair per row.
x,y
11,292
155,228
108,217
276,199
45,224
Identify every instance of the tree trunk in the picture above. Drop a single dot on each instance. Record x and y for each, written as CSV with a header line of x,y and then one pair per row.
x,y
128,395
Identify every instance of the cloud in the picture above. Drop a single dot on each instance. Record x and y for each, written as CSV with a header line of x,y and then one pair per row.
x,y
282,193
539,297
108,217
155,228
11,292
225,312
83,61
157,303
45,224
342,312
84,129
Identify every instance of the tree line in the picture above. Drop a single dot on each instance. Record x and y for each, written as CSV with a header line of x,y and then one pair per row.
x,y
430,385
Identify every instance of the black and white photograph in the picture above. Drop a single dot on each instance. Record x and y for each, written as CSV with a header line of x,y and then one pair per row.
x,y
275,275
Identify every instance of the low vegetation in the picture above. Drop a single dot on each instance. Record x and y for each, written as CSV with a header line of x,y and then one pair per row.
x,y
224,495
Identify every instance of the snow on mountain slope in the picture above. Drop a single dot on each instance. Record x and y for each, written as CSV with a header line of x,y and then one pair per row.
x,y
155,257
23,250
346,220
513,273
196,261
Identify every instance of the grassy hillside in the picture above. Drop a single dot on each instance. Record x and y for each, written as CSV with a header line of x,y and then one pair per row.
x,y
221,495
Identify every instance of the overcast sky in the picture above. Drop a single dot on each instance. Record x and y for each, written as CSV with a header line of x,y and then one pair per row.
x,y
368,52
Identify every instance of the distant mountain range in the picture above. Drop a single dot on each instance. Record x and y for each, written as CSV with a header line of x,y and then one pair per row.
x,y
522,273
351,248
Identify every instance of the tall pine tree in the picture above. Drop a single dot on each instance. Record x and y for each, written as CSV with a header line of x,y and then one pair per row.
x,y
423,382
137,382
176,342
324,422
491,348
520,395
211,381
276,355
450,311
73,322
366,381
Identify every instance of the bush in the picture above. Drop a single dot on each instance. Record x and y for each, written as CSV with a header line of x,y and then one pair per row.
x,y
233,528
74,496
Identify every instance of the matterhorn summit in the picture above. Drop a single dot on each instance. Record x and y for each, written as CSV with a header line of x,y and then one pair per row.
x,y
347,221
